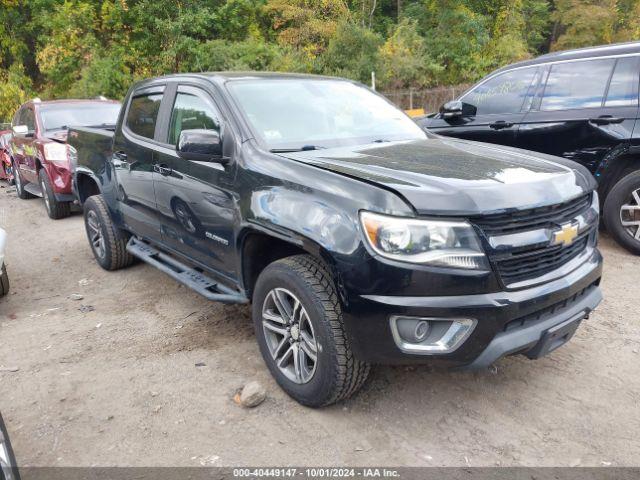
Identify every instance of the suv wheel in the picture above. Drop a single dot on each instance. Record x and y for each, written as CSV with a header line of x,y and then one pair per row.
x,y
300,330
8,173
622,212
108,242
55,209
22,193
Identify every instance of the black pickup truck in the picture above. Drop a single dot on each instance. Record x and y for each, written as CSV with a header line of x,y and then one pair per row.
x,y
358,237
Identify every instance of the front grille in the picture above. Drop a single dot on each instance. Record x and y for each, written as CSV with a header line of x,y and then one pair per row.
x,y
545,313
518,264
533,218
537,262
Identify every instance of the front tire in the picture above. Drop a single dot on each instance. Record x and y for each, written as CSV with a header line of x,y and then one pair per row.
x,y
22,193
55,209
300,330
108,242
621,212
4,281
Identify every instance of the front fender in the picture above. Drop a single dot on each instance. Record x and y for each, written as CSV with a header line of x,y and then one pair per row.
x,y
304,218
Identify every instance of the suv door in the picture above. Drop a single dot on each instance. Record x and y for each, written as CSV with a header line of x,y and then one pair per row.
x,y
24,145
133,159
195,198
493,109
584,109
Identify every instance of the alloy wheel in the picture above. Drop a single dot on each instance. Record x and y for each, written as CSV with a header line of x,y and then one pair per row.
x,y
95,234
630,215
289,335
47,204
18,180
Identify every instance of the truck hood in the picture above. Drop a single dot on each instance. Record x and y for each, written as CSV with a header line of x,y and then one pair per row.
x,y
445,176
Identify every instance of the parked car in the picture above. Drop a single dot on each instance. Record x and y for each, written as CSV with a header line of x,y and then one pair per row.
x,y
578,104
5,156
8,464
358,237
4,277
40,161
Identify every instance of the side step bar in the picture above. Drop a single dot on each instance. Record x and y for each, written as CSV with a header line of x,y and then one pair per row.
x,y
33,189
204,285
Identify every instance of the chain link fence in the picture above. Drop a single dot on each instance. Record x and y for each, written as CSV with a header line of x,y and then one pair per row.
x,y
430,99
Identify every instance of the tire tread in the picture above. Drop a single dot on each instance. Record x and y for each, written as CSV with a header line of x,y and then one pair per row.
x,y
116,239
351,373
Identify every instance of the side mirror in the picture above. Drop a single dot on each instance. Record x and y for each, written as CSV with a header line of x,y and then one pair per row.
x,y
201,145
21,130
451,109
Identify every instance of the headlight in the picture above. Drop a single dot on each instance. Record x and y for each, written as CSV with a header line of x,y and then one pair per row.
x,y
56,152
432,242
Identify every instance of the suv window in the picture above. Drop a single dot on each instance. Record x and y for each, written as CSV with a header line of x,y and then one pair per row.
x,y
504,93
27,118
143,114
191,111
576,84
623,89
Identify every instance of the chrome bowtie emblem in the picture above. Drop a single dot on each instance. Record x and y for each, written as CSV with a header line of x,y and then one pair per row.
x,y
566,235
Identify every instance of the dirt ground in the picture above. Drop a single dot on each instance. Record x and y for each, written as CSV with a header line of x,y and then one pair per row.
x,y
112,379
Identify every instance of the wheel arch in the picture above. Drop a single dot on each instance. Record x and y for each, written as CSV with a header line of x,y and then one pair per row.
x,y
86,186
259,248
614,169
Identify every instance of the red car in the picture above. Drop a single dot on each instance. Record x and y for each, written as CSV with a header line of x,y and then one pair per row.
x,y
5,156
41,166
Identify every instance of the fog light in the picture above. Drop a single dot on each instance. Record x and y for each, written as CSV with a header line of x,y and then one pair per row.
x,y
430,335
422,328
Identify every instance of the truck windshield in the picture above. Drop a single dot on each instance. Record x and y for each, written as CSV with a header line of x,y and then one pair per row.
x,y
305,114
62,116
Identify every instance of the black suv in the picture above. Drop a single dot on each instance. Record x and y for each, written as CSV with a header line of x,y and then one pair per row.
x,y
358,237
579,104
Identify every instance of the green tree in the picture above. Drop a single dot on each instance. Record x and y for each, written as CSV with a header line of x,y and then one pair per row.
x,y
405,60
352,53
306,25
15,89
582,23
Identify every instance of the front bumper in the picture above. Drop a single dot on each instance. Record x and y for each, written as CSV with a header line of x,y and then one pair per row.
x,y
508,322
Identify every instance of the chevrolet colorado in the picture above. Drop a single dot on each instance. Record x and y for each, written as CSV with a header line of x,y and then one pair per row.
x,y
358,237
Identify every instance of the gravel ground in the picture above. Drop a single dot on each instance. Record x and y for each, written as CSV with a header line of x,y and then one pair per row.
x,y
111,379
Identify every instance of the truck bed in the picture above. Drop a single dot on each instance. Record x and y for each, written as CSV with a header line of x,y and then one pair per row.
x,y
91,147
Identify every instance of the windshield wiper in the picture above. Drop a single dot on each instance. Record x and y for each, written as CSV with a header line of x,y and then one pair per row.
x,y
304,148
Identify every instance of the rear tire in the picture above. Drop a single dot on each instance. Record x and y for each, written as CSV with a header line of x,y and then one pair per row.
x,y
17,178
4,281
621,212
108,242
8,173
335,374
55,209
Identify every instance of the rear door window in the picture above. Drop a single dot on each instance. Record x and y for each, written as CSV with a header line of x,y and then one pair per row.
x,y
504,93
623,89
573,85
143,114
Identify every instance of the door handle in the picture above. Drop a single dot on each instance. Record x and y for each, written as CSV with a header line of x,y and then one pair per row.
x,y
605,120
500,124
162,169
